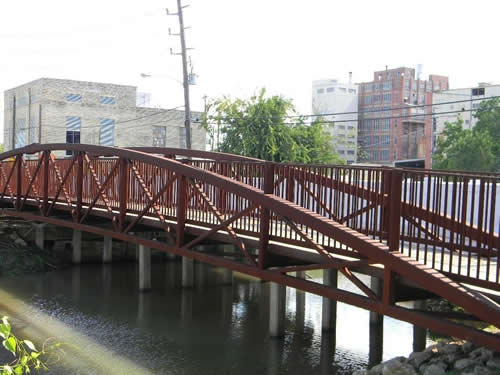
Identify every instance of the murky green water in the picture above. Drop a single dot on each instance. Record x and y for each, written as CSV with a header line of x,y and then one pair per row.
x,y
210,329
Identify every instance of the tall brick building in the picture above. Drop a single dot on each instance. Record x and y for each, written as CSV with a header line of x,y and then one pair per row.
x,y
59,111
392,128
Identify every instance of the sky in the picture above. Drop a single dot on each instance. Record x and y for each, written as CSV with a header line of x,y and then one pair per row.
x,y
241,46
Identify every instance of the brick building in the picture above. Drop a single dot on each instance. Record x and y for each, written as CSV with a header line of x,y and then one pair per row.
x,y
394,128
67,111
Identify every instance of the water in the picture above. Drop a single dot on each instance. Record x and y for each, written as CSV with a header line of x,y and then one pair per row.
x,y
210,329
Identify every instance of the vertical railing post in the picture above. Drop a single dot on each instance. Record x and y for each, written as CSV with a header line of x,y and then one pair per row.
x,y
265,215
290,195
181,208
19,179
46,160
386,196
79,187
395,200
170,190
123,193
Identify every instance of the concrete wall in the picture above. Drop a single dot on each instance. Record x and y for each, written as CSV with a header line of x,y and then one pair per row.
x,y
45,102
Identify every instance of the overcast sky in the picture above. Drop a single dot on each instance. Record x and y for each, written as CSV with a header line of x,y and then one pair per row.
x,y
241,46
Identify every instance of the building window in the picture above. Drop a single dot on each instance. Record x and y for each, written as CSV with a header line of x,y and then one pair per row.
x,y
21,101
107,132
20,137
387,98
32,131
73,128
384,155
368,100
342,89
341,152
352,91
182,137
350,128
159,136
107,100
350,152
478,91
341,127
386,124
330,89
74,98
388,85
320,91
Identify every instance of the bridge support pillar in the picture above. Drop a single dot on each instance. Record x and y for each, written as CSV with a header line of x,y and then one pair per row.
x,y
419,334
107,251
144,268
187,272
376,332
227,276
277,309
40,235
76,256
300,305
329,307
376,286
201,275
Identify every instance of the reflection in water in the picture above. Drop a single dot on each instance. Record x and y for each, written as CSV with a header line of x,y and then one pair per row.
x,y
214,328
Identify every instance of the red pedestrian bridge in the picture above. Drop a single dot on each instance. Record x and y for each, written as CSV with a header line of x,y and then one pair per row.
x,y
423,233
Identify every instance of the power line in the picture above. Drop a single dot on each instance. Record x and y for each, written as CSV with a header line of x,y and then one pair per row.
x,y
432,115
374,110
50,130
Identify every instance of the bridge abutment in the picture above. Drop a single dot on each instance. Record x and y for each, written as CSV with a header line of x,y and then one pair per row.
x,y
277,309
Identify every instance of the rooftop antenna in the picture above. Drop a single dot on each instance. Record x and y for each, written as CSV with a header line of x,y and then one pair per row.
x,y
350,77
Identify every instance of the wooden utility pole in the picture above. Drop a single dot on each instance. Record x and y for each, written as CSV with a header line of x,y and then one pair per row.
x,y
183,53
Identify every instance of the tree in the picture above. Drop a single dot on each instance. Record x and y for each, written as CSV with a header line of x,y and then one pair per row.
x,y
464,149
488,116
260,128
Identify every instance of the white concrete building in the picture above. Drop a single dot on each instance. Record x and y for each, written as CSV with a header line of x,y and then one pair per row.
x,y
330,96
469,99
66,111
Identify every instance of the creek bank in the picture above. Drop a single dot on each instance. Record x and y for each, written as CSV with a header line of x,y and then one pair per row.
x,y
452,358
19,255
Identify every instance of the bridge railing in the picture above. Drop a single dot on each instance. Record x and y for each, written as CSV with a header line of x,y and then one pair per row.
x,y
447,220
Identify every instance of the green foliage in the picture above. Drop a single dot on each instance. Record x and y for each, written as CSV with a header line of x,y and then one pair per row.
x,y
488,122
257,128
473,150
26,356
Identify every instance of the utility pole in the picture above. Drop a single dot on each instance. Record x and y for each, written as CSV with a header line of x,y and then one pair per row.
x,y
187,109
